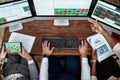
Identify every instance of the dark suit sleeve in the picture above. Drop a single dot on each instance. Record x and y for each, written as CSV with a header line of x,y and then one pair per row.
x,y
33,70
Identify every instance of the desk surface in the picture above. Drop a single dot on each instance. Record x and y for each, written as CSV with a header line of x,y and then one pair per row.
x,y
45,28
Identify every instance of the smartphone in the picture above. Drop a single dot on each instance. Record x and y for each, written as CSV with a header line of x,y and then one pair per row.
x,y
13,47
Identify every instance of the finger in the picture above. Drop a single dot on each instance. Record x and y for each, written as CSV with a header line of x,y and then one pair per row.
x,y
79,46
85,42
81,43
48,44
45,43
23,50
93,28
20,54
52,49
42,45
91,21
2,50
96,21
5,53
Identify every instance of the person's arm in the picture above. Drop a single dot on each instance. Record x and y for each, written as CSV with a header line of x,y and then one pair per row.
x,y
44,65
93,62
44,69
31,65
3,58
85,69
33,70
96,27
2,61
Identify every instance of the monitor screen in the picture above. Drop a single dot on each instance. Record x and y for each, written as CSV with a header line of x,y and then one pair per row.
x,y
14,11
107,13
62,7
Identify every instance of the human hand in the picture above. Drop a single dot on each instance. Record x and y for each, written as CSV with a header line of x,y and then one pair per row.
x,y
96,27
3,54
46,48
25,54
83,48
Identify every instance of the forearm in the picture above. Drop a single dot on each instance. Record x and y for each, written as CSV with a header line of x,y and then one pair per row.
x,y
93,70
44,69
112,41
33,70
85,72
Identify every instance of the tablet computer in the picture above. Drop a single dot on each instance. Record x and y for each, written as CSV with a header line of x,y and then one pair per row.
x,y
13,47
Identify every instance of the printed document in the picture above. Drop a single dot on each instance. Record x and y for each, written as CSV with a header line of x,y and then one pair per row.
x,y
99,43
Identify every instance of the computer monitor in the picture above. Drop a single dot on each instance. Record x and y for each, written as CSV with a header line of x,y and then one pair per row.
x,y
62,10
107,13
14,12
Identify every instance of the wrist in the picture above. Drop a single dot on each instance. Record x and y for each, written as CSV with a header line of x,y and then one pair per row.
x,y
93,61
103,32
84,56
29,58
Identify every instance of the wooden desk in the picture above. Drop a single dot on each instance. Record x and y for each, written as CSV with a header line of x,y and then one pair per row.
x,y
44,28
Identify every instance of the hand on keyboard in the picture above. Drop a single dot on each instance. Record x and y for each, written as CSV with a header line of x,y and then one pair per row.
x,y
46,48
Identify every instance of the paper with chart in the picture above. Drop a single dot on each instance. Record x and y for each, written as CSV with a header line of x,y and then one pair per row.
x,y
99,43
27,40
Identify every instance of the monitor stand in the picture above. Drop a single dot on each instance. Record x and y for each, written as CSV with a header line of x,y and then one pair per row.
x,y
15,27
61,22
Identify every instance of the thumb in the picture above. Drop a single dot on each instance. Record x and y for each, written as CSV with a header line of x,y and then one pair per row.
x,y
20,54
52,50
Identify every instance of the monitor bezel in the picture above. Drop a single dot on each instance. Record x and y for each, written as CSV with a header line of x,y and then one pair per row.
x,y
93,7
18,20
60,16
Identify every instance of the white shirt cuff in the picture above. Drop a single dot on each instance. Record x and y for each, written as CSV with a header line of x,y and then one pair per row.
x,y
30,61
84,60
116,47
93,78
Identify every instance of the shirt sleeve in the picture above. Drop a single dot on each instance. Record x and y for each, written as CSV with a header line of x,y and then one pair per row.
x,y
93,78
44,69
85,71
116,49
33,70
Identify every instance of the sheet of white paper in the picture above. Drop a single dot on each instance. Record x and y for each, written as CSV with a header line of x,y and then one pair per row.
x,y
27,40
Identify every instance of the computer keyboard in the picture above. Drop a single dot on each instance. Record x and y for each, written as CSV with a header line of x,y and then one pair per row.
x,y
62,42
